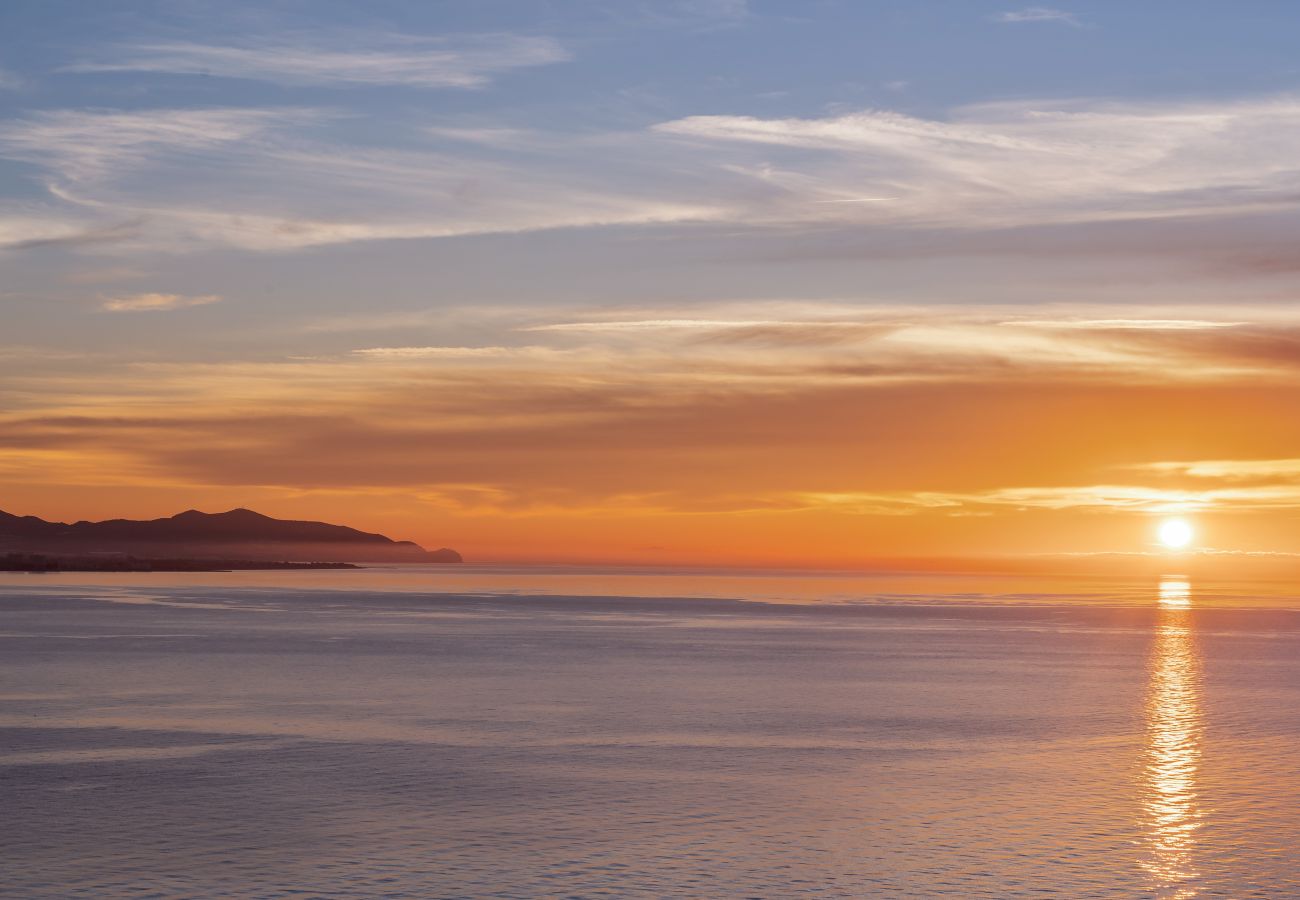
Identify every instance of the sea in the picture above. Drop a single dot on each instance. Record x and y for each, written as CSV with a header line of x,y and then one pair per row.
x,y
514,732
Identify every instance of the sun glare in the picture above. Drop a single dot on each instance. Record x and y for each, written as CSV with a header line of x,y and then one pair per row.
x,y
1175,594
1175,533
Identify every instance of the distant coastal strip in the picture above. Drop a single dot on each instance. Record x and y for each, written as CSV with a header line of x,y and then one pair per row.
x,y
35,562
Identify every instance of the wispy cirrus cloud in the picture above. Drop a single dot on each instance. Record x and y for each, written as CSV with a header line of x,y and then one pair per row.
x,y
454,61
1039,14
1003,164
276,179
32,233
94,147
154,302
262,179
917,342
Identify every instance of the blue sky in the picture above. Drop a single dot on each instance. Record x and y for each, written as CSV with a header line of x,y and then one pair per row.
x,y
178,138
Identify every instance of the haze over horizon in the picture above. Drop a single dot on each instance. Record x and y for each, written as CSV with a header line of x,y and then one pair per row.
x,y
708,281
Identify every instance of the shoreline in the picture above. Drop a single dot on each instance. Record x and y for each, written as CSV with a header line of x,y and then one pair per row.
x,y
39,564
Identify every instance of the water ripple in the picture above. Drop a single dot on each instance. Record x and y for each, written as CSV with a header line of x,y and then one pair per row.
x,y
363,746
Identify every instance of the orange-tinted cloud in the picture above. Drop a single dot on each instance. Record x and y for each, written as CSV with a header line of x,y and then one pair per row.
x,y
815,440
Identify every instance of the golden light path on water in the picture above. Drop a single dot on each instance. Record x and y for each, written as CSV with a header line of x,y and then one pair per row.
x,y
1173,747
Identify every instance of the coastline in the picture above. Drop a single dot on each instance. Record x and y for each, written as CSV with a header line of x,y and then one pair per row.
x,y
36,563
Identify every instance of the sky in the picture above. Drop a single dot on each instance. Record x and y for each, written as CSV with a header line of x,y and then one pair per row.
x,y
685,282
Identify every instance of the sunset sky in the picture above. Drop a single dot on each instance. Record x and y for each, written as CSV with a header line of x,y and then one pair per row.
x,y
706,281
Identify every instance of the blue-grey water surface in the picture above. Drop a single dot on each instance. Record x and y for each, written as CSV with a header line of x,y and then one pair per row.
x,y
266,736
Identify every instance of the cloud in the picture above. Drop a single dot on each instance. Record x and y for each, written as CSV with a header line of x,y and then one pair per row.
x,y
156,302
1230,469
900,339
263,180
1108,498
775,332
1097,498
1007,164
487,136
599,432
1126,324
65,234
462,61
616,325
910,420
454,353
278,179
83,148
896,342
1039,14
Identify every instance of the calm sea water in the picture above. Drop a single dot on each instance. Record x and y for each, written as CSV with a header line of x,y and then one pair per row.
x,y
571,733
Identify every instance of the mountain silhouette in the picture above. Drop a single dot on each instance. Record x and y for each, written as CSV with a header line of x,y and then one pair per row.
x,y
237,534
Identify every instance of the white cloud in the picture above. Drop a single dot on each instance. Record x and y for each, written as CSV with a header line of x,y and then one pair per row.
x,y
463,61
1039,14
89,146
261,179
893,342
488,136
274,179
1007,164
156,302
26,227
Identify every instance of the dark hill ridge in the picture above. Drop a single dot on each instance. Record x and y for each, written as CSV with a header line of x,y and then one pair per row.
x,y
237,534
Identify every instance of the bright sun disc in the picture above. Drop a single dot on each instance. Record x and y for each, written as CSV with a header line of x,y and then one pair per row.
x,y
1175,533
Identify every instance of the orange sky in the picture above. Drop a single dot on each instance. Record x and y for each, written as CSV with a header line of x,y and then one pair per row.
x,y
820,436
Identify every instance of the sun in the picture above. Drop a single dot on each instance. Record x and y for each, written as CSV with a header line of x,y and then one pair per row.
x,y
1175,533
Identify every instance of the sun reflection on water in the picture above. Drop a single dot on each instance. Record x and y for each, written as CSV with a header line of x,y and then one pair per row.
x,y
1173,747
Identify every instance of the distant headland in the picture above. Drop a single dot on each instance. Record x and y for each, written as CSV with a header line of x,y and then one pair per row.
x,y
237,538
